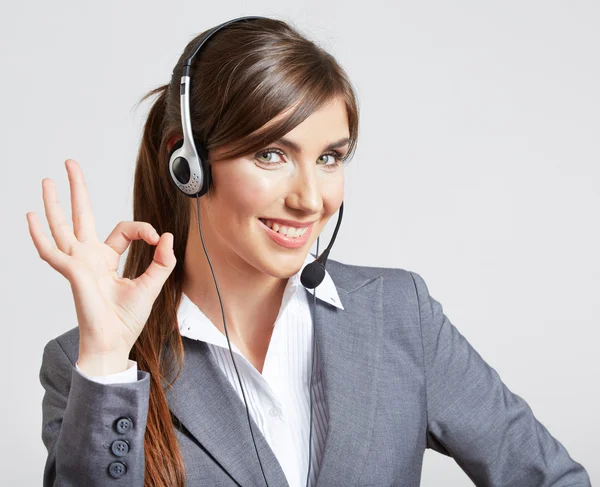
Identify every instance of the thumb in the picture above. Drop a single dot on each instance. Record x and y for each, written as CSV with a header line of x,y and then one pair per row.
x,y
161,267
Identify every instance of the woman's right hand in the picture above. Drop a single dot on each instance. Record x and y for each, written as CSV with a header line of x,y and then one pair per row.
x,y
111,311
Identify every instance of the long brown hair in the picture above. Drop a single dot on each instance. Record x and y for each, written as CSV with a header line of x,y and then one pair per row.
x,y
245,75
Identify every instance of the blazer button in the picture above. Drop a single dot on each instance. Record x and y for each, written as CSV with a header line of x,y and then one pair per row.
x,y
117,469
120,448
123,425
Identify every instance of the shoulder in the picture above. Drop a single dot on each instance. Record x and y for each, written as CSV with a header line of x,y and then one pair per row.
x,y
58,362
66,343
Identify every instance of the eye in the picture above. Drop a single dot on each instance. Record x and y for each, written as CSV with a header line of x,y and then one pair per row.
x,y
335,158
266,157
267,153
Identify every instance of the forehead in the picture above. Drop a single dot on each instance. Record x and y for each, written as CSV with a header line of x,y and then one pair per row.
x,y
330,117
329,122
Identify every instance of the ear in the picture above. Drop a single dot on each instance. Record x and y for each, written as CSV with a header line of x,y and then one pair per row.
x,y
172,141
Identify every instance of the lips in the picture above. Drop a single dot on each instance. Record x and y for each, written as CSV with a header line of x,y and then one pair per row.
x,y
288,242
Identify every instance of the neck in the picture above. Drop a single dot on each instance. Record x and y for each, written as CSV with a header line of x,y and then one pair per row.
x,y
251,299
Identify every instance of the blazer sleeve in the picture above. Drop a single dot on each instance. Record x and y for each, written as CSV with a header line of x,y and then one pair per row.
x,y
474,418
94,432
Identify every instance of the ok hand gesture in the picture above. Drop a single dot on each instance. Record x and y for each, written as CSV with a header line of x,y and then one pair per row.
x,y
111,311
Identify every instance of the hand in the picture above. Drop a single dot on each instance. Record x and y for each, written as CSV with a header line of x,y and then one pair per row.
x,y
111,311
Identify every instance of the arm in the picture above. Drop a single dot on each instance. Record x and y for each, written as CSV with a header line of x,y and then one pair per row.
x,y
81,421
473,417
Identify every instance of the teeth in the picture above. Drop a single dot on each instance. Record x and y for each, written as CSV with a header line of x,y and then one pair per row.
x,y
287,231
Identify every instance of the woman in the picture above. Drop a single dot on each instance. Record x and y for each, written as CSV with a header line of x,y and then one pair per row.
x,y
144,391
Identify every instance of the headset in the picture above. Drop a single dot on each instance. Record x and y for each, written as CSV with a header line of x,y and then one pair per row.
x,y
191,172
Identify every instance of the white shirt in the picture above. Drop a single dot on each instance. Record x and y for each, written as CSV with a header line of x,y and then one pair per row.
x,y
278,398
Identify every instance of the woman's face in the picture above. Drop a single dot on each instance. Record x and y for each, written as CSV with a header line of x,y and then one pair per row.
x,y
304,184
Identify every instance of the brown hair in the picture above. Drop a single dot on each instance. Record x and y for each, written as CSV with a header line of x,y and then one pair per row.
x,y
245,75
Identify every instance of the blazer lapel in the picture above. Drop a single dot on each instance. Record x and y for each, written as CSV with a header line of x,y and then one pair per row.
x,y
203,400
349,344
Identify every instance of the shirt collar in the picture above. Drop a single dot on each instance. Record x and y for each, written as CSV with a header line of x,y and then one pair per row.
x,y
193,322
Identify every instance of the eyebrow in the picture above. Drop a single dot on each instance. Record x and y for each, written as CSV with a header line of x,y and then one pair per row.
x,y
295,147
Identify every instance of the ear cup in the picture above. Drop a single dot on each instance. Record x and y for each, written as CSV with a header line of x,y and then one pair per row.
x,y
180,165
207,177
181,172
206,167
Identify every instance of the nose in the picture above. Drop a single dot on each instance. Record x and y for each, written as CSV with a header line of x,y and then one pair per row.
x,y
305,194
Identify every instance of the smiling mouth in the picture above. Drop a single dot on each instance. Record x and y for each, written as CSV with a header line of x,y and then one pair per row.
x,y
284,230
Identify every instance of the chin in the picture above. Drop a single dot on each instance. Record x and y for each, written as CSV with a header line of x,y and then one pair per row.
x,y
284,266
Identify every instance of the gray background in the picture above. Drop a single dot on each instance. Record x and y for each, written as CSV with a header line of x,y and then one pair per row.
x,y
477,167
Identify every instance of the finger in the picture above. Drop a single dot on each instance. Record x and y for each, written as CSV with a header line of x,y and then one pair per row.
x,y
45,247
162,265
59,227
84,224
126,231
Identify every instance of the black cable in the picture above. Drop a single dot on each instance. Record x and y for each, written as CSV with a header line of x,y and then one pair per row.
x,y
228,342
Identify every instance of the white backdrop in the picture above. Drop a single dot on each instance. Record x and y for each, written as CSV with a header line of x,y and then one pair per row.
x,y
477,167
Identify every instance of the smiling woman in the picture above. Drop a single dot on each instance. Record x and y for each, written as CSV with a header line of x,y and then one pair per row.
x,y
257,130
278,119
261,215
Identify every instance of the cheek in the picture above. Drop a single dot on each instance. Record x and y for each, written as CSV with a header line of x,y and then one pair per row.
x,y
249,193
333,193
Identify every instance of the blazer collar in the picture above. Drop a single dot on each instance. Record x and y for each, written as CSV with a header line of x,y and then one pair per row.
x,y
348,342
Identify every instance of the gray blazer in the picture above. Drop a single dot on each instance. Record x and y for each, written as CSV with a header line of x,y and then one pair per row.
x,y
398,378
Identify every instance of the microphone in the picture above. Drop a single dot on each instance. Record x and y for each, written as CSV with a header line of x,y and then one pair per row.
x,y
314,273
